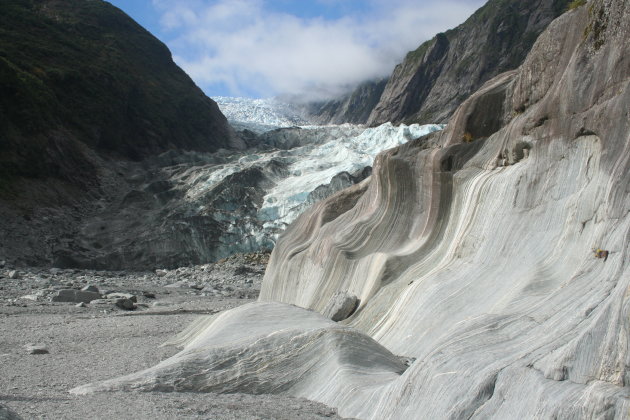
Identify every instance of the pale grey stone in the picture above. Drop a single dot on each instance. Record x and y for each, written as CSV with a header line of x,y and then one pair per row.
x,y
13,274
36,349
118,295
341,306
90,288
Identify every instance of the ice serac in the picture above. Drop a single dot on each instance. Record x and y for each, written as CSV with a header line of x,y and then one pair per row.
x,y
471,250
470,253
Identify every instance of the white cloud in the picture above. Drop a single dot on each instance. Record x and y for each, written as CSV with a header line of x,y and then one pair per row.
x,y
253,50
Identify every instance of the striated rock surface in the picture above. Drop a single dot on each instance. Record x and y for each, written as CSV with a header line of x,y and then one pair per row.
x,y
471,253
263,348
436,78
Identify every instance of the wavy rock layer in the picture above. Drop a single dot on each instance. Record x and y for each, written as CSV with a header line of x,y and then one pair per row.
x,y
470,252
264,348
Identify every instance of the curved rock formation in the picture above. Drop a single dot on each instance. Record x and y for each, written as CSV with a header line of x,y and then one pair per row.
x,y
470,251
263,348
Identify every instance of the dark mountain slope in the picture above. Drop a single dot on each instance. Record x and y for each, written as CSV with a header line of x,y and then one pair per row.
x,y
88,100
78,73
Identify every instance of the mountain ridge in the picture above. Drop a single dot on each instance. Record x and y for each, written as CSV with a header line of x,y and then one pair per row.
x,y
442,72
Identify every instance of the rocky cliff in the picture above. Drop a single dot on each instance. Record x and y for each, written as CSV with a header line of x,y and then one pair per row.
x,y
472,254
440,74
354,107
84,91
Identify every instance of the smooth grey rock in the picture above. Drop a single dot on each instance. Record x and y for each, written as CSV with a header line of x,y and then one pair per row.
x,y
36,349
80,305
30,297
90,288
341,306
118,295
148,295
161,273
103,302
13,274
75,296
486,274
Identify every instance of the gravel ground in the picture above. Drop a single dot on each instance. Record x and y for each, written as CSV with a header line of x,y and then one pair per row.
x,y
101,341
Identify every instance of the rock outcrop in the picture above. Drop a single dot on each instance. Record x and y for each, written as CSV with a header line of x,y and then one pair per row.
x,y
433,80
471,254
437,77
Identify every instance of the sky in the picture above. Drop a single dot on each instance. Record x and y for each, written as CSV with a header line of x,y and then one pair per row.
x,y
309,49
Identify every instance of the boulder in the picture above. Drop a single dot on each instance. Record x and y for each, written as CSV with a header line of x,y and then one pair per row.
x,y
127,296
126,304
75,296
90,288
341,306
35,349
13,274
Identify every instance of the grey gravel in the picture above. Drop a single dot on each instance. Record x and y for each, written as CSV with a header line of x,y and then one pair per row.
x,y
101,341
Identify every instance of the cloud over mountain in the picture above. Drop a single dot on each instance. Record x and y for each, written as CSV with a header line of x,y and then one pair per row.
x,y
251,48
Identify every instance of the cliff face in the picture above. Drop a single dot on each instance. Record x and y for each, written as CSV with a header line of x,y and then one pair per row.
x,y
354,108
80,73
471,253
471,250
436,78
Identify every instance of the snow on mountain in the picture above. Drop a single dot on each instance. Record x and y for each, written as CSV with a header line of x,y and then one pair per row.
x,y
259,114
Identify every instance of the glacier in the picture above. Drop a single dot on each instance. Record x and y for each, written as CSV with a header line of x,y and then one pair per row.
x,y
345,148
259,115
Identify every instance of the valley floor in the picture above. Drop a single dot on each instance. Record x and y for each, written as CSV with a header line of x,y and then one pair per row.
x,y
101,341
